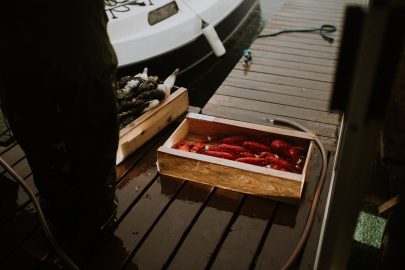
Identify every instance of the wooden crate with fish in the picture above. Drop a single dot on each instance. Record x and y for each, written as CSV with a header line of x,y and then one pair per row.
x,y
145,107
245,157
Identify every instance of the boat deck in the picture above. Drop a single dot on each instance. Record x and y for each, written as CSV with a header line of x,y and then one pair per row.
x,y
175,224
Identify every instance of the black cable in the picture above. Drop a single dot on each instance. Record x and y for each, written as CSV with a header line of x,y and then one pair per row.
x,y
328,28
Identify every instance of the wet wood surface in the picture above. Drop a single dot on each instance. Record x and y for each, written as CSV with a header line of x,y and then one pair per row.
x,y
167,223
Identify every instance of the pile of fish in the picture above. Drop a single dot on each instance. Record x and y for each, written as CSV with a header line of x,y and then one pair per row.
x,y
261,151
140,93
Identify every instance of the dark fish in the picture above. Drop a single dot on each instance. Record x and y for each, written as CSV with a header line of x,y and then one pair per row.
x,y
151,95
131,105
147,86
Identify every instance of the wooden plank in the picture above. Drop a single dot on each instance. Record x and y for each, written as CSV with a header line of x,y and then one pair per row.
x,y
302,39
149,124
137,225
388,205
178,164
294,51
291,65
168,231
309,75
294,58
326,47
12,156
239,249
283,80
312,13
309,15
277,88
138,179
276,109
273,98
16,199
342,2
308,256
315,22
304,24
326,132
305,37
22,168
128,164
197,248
321,9
316,6
288,225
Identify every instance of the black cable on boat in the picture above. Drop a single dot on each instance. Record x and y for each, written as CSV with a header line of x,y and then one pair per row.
x,y
311,217
69,262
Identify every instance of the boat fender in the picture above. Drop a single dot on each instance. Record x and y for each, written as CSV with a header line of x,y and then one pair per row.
x,y
214,41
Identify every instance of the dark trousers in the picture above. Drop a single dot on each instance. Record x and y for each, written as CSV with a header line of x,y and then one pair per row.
x,y
69,133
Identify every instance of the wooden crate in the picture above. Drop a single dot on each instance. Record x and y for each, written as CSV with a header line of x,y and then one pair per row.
x,y
139,131
230,174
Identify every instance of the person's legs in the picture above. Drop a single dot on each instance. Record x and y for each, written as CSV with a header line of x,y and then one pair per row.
x,y
69,133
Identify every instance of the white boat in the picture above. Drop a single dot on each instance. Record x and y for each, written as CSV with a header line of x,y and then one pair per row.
x,y
143,31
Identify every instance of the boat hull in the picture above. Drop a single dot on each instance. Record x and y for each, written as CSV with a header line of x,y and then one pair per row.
x,y
189,55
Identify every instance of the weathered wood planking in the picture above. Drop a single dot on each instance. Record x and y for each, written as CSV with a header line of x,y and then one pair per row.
x,y
295,51
290,73
207,232
301,38
245,235
291,65
14,198
284,80
303,74
157,247
294,58
302,24
277,88
273,98
272,108
325,47
315,22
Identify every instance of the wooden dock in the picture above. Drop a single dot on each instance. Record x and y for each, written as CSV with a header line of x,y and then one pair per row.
x,y
292,74
174,224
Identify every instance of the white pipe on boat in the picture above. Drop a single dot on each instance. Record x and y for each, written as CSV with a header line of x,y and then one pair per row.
x,y
214,40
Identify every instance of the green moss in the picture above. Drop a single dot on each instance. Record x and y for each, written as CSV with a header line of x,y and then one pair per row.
x,y
369,229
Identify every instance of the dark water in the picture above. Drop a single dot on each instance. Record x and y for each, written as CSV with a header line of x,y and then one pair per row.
x,y
204,79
